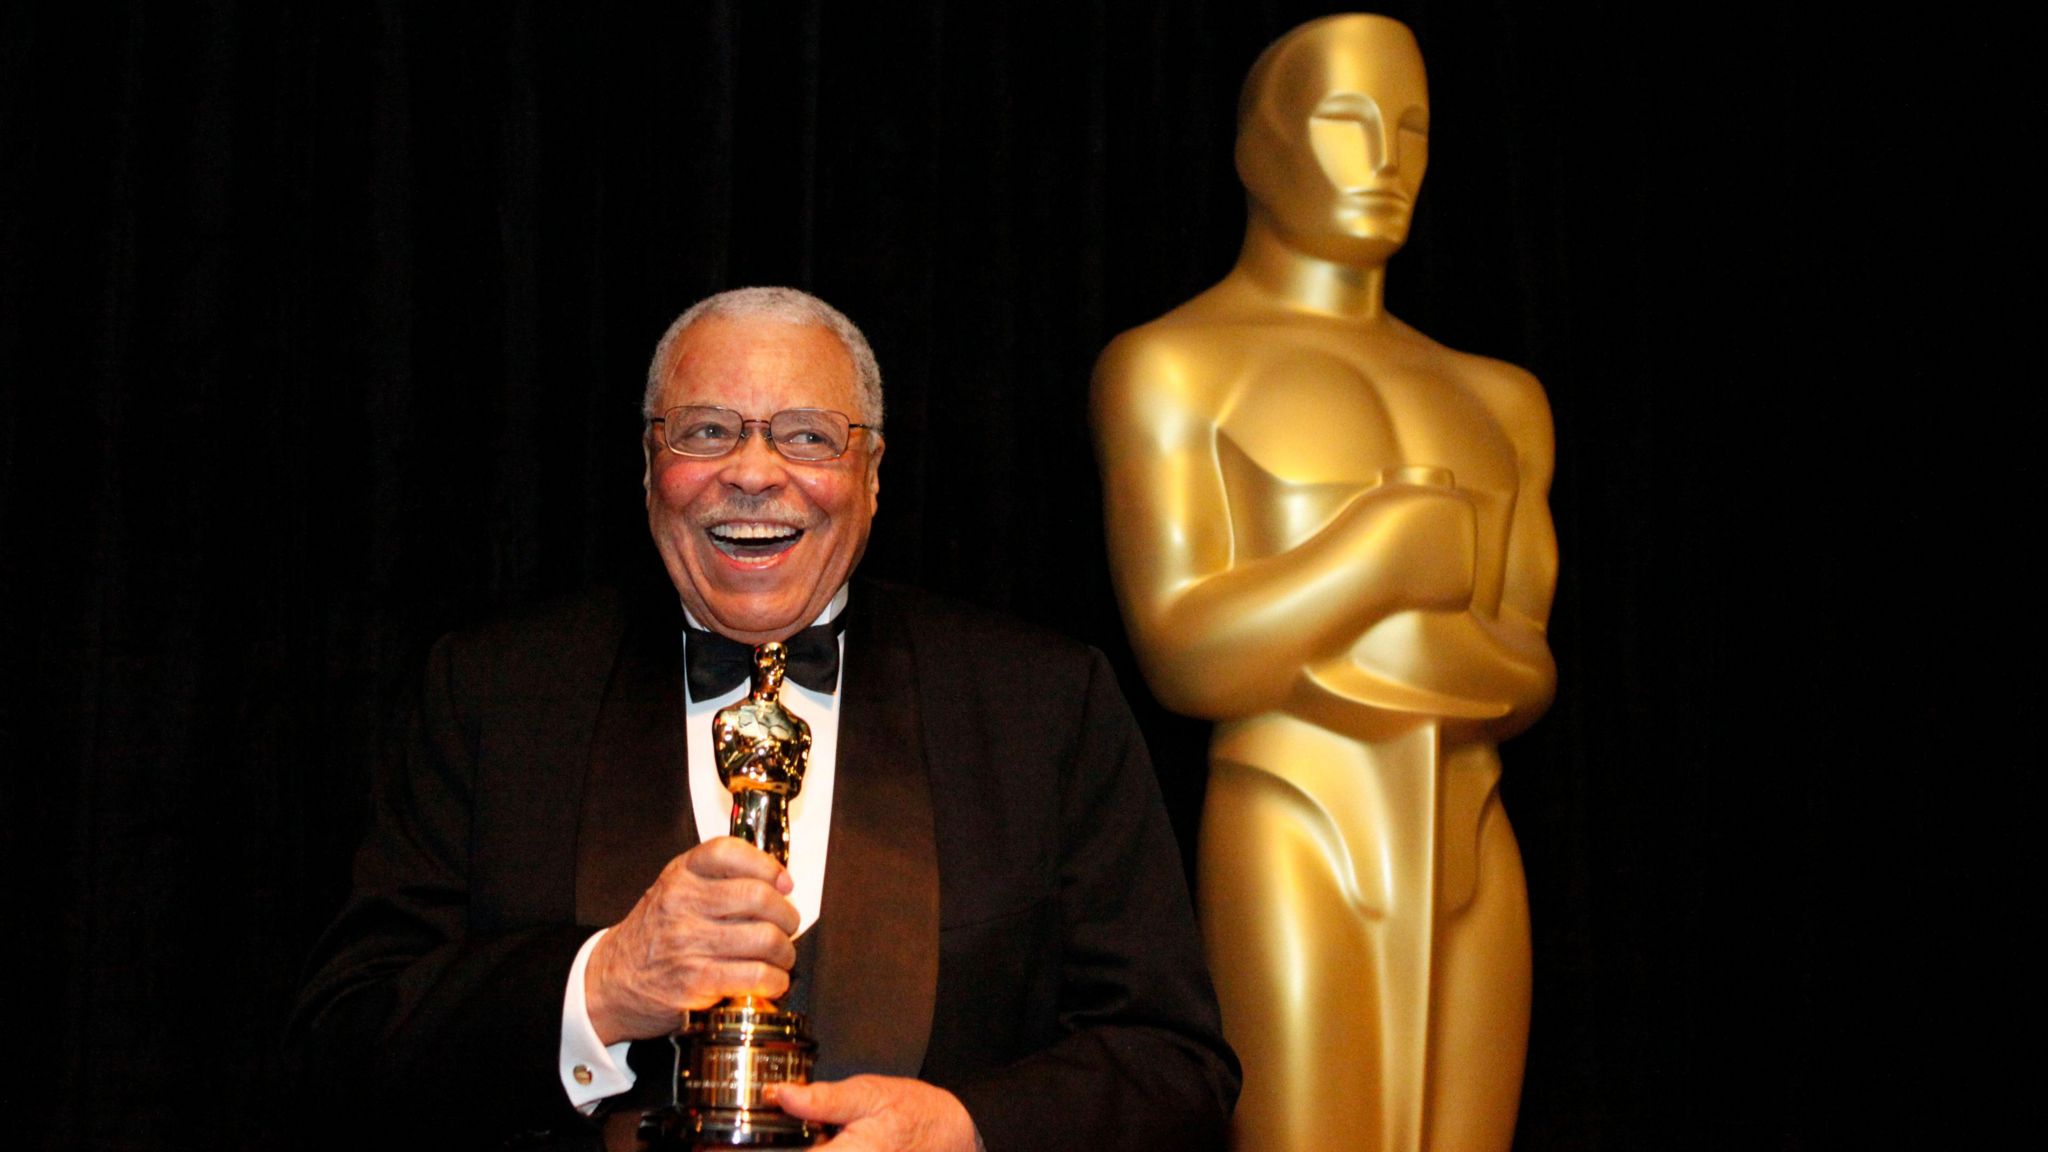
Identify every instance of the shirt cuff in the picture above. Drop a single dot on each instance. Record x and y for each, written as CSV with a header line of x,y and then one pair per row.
x,y
590,1071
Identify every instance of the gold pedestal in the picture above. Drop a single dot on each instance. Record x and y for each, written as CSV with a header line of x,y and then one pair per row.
x,y
728,1055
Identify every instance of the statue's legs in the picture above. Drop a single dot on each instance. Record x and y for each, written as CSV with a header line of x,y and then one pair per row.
x,y
1373,972
1479,1022
1292,961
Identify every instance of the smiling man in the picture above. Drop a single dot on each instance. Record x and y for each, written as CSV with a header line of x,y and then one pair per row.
x,y
756,543
983,914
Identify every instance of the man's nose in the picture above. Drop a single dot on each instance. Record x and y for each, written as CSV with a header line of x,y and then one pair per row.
x,y
754,465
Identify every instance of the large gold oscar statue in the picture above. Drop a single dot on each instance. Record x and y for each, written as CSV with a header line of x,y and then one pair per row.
x,y
1329,534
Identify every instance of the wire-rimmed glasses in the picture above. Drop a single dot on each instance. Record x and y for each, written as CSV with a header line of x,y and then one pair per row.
x,y
811,435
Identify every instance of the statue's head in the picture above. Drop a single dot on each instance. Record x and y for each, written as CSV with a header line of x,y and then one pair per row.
x,y
1333,137
771,660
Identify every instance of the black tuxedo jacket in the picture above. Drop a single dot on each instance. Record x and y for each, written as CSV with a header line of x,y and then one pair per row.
x,y
1004,913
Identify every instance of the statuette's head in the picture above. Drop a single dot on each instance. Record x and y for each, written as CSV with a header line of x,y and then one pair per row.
x,y
763,445
1333,137
771,662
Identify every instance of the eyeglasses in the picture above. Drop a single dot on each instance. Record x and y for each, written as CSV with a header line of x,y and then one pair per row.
x,y
811,435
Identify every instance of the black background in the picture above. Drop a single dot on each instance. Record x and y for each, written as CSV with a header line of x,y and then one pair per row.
x,y
322,330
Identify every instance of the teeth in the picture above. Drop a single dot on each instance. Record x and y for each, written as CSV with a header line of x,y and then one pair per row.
x,y
757,532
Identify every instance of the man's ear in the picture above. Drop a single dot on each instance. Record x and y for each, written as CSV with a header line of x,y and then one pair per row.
x,y
647,464
875,476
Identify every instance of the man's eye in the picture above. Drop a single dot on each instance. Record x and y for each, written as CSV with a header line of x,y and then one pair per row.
x,y
804,436
701,433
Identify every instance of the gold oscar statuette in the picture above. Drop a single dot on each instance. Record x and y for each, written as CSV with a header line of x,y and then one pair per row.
x,y
729,1053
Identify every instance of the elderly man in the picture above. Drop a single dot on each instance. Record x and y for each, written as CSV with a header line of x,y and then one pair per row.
x,y
983,912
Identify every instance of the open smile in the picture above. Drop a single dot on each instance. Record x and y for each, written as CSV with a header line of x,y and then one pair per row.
x,y
753,540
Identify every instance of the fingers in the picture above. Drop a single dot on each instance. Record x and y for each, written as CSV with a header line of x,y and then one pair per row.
x,y
752,942
717,980
634,991
1425,541
730,858
727,879
730,879
738,901
828,1101
716,923
883,1112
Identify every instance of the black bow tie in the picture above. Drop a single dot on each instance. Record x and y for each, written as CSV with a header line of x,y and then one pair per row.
x,y
717,663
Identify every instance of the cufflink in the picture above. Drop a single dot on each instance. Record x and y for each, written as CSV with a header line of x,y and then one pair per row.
x,y
582,1073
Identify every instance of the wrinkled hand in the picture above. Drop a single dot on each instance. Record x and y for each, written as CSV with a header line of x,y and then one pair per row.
x,y
883,1114
715,923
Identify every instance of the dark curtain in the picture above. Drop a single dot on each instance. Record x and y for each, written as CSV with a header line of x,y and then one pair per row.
x,y
322,330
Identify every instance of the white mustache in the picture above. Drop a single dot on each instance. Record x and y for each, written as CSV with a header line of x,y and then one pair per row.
x,y
764,510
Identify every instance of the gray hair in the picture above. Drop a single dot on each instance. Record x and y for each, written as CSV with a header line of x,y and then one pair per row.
x,y
790,306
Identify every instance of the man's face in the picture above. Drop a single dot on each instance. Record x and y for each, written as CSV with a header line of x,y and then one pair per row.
x,y
756,545
1336,139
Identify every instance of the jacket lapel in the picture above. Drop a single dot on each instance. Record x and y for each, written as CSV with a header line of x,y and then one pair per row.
x,y
877,952
636,805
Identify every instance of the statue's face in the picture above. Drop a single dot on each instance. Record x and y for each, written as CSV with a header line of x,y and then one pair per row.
x,y
757,545
1333,138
